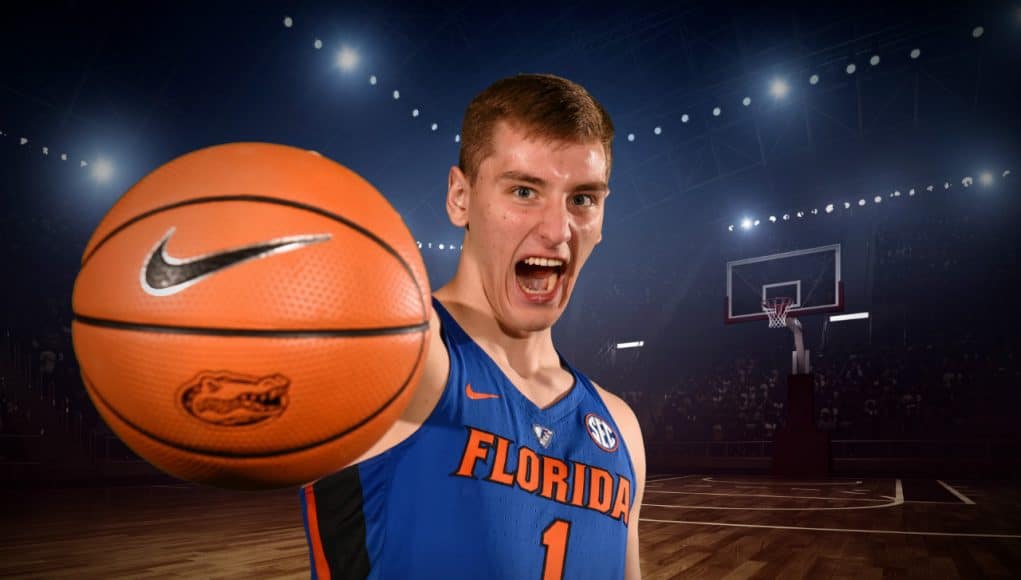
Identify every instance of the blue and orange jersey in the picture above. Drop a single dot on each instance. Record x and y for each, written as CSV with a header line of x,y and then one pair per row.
x,y
490,486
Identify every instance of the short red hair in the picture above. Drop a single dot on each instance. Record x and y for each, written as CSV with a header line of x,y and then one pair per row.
x,y
545,106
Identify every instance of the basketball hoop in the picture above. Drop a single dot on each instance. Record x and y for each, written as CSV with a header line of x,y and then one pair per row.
x,y
776,308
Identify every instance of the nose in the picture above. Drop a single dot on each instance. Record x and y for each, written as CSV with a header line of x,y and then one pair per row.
x,y
555,228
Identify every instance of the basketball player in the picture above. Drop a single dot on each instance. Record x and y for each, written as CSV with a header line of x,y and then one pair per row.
x,y
508,462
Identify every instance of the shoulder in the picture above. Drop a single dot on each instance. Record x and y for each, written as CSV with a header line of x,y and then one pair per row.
x,y
625,419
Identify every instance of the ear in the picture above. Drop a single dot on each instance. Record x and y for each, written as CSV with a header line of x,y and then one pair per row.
x,y
458,190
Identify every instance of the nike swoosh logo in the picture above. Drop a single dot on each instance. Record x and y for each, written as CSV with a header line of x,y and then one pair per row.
x,y
163,274
475,396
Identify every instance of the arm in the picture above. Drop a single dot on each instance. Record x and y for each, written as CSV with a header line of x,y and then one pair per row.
x,y
631,431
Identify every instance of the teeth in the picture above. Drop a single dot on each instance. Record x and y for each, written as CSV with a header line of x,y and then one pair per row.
x,y
548,262
551,281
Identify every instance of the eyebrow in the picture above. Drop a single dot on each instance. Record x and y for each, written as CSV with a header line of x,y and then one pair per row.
x,y
521,176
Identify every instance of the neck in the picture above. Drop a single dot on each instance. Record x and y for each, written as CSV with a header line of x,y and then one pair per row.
x,y
527,354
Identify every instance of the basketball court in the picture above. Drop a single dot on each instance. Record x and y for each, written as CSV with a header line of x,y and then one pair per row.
x,y
692,526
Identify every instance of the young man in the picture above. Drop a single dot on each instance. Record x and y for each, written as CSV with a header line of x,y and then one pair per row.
x,y
508,462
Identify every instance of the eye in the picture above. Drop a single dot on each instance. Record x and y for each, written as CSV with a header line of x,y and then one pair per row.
x,y
580,200
521,188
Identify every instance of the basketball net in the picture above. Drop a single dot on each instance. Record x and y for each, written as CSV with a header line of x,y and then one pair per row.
x,y
776,308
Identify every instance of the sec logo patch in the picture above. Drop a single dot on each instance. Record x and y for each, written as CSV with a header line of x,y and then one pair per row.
x,y
601,433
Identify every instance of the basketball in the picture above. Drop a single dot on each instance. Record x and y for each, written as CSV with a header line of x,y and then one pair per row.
x,y
251,316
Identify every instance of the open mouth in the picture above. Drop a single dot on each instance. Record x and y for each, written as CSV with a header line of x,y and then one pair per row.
x,y
539,276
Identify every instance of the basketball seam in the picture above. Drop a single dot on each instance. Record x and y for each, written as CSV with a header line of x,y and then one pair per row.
x,y
257,332
205,452
272,200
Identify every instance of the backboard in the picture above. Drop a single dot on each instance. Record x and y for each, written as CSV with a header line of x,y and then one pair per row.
x,y
810,276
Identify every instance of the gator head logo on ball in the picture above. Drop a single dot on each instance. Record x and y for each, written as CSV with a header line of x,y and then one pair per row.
x,y
234,400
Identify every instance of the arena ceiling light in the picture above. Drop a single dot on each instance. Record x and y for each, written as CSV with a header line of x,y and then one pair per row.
x,y
102,170
746,224
986,178
347,59
779,88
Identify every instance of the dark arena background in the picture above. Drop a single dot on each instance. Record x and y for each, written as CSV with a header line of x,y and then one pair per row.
x,y
743,130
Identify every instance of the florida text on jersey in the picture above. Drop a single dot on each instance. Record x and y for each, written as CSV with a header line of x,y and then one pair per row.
x,y
490,486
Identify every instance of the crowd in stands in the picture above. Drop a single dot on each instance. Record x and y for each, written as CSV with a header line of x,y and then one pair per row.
x,y
945,366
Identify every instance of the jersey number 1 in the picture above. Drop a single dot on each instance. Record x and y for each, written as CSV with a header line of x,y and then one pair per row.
x,y
554,539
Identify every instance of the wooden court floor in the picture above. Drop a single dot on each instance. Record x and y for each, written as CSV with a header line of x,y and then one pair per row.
x,y
693,526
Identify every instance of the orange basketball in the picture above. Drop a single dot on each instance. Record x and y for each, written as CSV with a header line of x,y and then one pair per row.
x,y
251,315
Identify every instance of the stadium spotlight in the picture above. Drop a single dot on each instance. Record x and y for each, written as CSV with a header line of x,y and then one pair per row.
x,y
772,219
756,224
967,181
911,191
829,208
946,185
442,246
915,53
746,224
631,137
815,211
658,130
801,214
814,79
847,205
874,61
684,118
878,199
746,101
716,111
730,228
896,193
861,202
102,170
851,68
786,216
852,316
347,59
779,88
985,178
